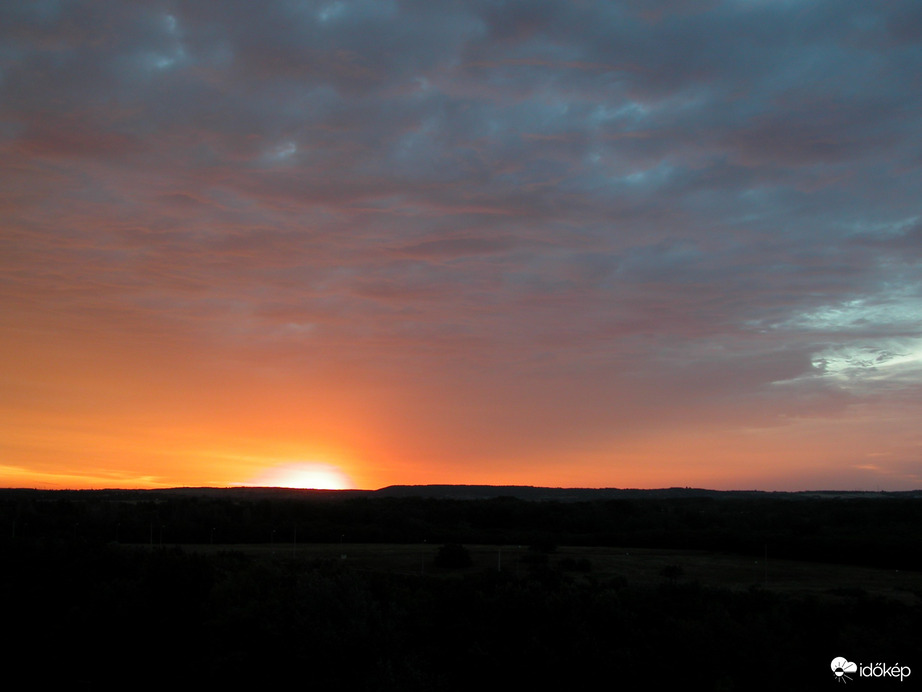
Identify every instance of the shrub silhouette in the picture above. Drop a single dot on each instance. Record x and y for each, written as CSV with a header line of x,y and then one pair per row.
x,y
453,555
672,572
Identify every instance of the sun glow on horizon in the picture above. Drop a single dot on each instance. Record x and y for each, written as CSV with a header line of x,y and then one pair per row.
x,y
304,474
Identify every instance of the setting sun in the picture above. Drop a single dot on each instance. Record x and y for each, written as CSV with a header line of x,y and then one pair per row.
x,y
304,475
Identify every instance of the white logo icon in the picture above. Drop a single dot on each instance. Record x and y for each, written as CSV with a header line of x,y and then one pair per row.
x,y
841,666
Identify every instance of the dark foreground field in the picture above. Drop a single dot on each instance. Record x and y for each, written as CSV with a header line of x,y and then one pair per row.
x,y
99,593
586,564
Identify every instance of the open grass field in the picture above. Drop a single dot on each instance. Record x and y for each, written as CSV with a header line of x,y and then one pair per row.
x,y
637,566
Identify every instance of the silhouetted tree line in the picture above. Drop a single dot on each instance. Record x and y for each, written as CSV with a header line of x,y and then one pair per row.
x,y
872,532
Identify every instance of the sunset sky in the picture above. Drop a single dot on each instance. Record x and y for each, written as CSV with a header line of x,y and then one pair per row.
x,y
362,243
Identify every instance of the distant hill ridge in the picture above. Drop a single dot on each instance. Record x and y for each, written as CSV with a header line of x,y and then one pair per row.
x,y
464,492
528,492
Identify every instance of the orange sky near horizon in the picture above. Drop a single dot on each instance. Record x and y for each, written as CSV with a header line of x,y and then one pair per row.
x,y
167,424
365,244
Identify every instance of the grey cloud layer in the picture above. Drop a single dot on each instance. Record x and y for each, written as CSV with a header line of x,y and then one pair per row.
x,y
621,182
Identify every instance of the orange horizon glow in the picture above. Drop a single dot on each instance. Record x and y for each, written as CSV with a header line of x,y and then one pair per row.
x,y
796,458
